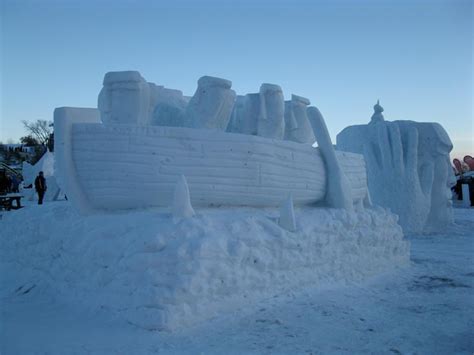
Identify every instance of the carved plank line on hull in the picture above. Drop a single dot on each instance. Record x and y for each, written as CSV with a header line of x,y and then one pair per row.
x,y
203,186
315,166
124,177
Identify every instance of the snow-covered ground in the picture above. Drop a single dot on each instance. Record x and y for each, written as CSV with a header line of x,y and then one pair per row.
x,y
425,308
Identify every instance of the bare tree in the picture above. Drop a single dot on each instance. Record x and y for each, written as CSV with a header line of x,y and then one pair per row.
x,y
41,130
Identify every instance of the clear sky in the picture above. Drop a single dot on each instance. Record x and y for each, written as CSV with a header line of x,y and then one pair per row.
x,y
416,56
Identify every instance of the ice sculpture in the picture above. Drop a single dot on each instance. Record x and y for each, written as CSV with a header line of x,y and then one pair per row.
x,y
408,168
297,126
211,105
271,120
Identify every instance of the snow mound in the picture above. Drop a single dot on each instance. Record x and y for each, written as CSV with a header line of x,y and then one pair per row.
x,y
155,274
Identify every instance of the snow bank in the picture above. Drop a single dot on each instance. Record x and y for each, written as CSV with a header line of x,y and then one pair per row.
x,y
151,272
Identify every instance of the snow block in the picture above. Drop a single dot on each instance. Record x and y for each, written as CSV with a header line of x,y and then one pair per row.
x,y
144,269
64,165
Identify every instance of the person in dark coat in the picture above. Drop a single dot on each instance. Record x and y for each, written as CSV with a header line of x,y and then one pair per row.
x,y
15,184
40,186
4,183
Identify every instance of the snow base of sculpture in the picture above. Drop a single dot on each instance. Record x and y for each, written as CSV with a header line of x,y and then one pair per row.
x,y
156,274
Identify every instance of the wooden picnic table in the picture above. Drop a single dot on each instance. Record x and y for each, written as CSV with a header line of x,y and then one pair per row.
x,y
6,201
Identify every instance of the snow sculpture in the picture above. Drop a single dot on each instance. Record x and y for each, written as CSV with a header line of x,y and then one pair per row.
x,y
338,192
30,172
211,105
245,115
168,106
109,166
181,202
235,123
287,215
297,125
125,98
227,255
377,116
408,168
271,121
64,163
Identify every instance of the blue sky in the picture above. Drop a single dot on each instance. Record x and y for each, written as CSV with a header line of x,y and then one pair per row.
x,y
416,56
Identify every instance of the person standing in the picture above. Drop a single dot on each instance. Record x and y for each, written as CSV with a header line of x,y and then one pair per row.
x,y
40,186
4,183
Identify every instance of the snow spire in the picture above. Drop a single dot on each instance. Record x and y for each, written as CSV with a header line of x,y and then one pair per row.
x,y
377,116
181,202
287,215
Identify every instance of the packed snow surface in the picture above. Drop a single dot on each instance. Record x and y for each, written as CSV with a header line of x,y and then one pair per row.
x,y
426,308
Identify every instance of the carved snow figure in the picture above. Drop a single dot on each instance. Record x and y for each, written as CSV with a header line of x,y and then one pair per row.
x,y
408,169
434,165
235,122
287,215
297,125
338,191
271,122
125,98
168,106
181,202
245,115
377,116
211,105
251,113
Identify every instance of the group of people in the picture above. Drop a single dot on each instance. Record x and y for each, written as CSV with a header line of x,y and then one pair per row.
x,y
10,183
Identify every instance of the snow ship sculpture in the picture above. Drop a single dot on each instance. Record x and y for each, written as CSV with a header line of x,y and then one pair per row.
x,y
148,146
132,150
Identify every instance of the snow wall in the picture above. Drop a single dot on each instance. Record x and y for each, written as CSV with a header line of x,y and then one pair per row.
x,y
408,169
144,269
